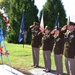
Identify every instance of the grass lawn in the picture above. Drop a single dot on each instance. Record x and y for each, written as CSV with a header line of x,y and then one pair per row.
x,y
21,58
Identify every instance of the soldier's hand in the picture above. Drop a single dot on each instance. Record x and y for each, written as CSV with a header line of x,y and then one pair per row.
x,y
64,28
53,31
31,26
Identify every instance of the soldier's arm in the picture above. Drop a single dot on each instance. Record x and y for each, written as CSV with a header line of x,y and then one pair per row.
x,y
62,42
40,39
52,32
62,46
29,29
64,29
51,42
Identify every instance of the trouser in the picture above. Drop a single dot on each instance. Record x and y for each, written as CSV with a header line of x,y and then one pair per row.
x,y
70,66
35,54
59,64
47,59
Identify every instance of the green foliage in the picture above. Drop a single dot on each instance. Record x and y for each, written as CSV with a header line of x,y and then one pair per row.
x,y
6,4
15,15
51,10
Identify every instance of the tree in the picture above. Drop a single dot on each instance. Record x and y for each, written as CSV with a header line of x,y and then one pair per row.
x,y
5,3
15,15
51,10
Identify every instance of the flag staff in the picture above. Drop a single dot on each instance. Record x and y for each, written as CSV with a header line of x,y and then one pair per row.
x,y
23,31
68,20
57,22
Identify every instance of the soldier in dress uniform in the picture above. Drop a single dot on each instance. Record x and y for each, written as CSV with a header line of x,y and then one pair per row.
x,y
58,50
47,44
69,48
35,43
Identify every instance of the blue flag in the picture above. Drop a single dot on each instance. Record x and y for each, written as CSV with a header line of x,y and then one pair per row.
x,y
1,35
57,22
21,34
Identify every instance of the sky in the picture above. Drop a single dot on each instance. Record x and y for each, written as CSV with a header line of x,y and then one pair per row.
x,y
69,6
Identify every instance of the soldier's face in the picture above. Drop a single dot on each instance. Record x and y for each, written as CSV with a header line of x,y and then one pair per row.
x,y
70,27
47,31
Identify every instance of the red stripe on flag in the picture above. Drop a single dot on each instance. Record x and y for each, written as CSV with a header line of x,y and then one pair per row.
x,y
7,22
42,24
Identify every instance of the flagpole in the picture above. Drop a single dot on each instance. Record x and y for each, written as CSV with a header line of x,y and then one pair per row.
x,y
24,10
56,22
23,39
68,20
23,32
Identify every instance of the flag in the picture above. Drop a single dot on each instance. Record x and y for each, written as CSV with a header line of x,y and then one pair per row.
x,y
42,24
5,17
1,35
21,34
57,22
68,20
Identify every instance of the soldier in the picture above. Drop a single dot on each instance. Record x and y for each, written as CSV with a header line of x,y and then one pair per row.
x,y
35,43
47,43
58,50
69,48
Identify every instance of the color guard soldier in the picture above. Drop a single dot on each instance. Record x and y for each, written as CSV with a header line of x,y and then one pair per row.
x,y
58,50
47,43
69,48
35,43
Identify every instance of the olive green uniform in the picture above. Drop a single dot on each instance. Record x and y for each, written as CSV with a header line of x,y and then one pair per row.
x,y
69,52
36,43
58,51
47,43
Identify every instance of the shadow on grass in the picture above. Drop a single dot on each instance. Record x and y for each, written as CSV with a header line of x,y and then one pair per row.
x,y
64,74
41,67
23,55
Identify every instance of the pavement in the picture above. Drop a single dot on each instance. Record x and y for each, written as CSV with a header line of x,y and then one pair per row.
x,y
40,71
7,70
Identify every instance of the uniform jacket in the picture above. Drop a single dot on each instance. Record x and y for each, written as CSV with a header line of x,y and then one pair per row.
x,y
36,37
47,42
69,47
59,44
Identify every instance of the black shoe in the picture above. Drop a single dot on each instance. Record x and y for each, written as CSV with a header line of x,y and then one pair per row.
x,y
36,66
46,71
